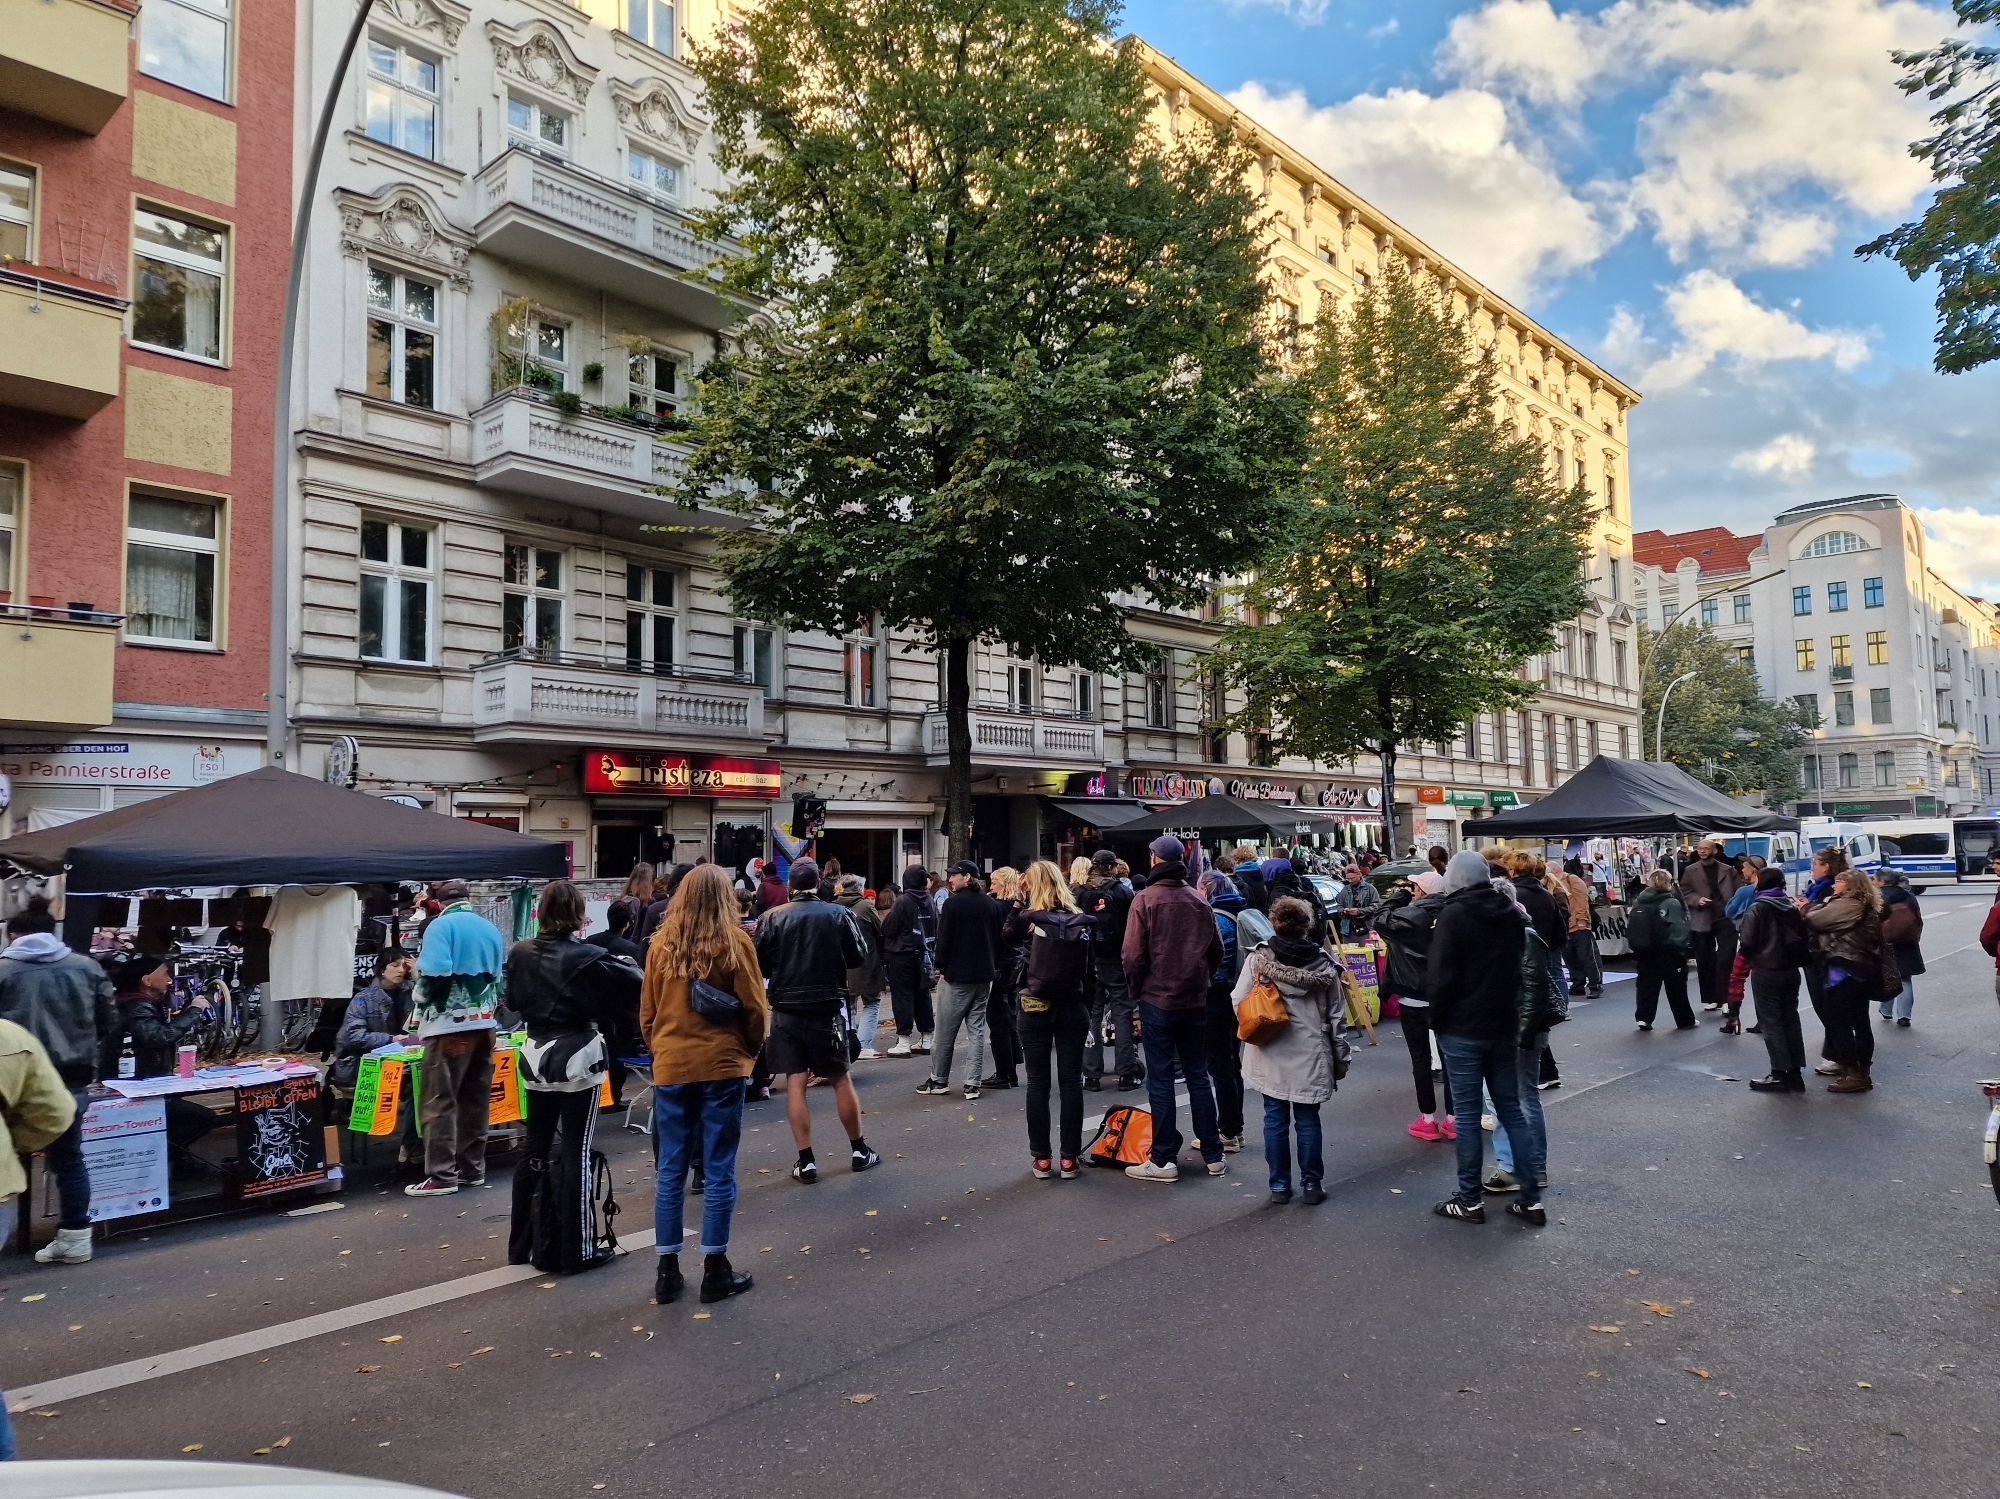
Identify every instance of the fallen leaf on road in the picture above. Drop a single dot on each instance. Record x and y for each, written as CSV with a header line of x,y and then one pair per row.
x,y
869,1214
394,1337
1862,1384
38,1296
1398,1191
1658,1308
477,1351
1631,1272
260,1451
765,1250
859,1399
345,1253
192,1447
1606,1327
76,1327
369,1369
1700,1373
703,1316
548,1285
454,1366
1958,1290
1164,1238
282,1443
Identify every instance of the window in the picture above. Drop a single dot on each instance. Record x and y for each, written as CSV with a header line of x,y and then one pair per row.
x,y
1885,767
1083,694
1804,648
1611,492
1590,654
1802,599
1871,593
17,212
187,42
1618,662
754,656
395,592
1324,250
1878,647
1835,544
1021,687
531,605
1747,654
862,653
1668,614
1472,740
652,22
540,353
402,338
1843,709
653,383
11,486
536,126
400,97
1850,772
1160,697
1809,773
178,270
651,620
1740,604
655,176
172,547
1836,598
1711,610
1838,651
1808,708
1624,742
1570,741
1617,570
1879,710
1288,327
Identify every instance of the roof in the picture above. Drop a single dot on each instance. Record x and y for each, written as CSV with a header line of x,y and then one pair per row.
x,y
1811,508
1629,798
1716,549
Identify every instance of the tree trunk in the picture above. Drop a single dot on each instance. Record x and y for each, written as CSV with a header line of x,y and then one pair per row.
x,y
958,737
1388,757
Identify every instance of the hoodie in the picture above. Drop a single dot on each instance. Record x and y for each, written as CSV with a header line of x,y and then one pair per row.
x,y
63,999
1472,975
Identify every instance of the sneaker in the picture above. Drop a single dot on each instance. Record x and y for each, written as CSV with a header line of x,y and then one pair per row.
x,y
760,1094
806,1171
1593,994
1449,1125
1451,1207
1532,1213
1148,1171
1502,1181
1280,1196
1828,1069
1313,1195
1232,1144
1707,1007
1904,1021
1887,1014
1425,1129
430,1186
861,1160
923,1047
1070,1167
931,1085
1044,1168
477,1181
999,1080
971,1092
1645,1025
70,1246
871,1054
902,1048
1216,1168
1488,1123
1552,1083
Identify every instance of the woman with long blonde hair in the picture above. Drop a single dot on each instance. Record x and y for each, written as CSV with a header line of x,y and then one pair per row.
x,y
699,1068
1079,870
1003,1001
1055,1011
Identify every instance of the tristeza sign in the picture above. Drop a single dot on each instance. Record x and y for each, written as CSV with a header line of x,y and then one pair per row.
x,y
638,773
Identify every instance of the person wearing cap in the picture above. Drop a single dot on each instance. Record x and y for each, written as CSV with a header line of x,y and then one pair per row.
x,y
1172,949
966,962
907,934
1107,900
806,948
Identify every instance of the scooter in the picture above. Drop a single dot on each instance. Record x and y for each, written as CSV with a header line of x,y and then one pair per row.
x,y
1991,1088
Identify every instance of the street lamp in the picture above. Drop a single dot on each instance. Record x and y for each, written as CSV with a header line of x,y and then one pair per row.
x,y
1660,719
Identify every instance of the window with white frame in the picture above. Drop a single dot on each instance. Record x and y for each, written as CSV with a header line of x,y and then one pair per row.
x,y
13,486
652,22
1083,694
397,585
1834,544
1021,686
173,556
537,126
402,338
400,97
17,212
655,175
652,618
538,352
862,658
1160,696
180,268
754,656
653,382
531,603
186,42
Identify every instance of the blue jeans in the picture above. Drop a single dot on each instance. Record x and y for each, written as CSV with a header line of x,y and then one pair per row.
x,y
1903,1004
1279,1119
65,1162
1529,1054
6,1431
689,1118
1179,1033
1469,1062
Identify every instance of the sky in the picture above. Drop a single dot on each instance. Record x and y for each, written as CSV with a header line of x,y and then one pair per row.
x,y
1676,187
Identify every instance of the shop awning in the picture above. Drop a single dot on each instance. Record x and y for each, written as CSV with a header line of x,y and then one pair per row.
x,y
1231,817
1097,811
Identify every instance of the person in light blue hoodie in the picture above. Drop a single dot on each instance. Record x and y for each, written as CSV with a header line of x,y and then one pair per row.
x,y
458,990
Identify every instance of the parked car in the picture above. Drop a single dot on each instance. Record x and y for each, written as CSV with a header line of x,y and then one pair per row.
x,y
1387,877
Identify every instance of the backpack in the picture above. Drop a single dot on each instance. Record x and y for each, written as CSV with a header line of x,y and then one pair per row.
x,y
535,1236
1124,1139
1057,968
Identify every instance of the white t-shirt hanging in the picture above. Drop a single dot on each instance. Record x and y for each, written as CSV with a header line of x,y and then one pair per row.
x,y
313,931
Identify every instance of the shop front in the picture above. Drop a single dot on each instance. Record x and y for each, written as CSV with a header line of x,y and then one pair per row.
x,y
57,781
662,808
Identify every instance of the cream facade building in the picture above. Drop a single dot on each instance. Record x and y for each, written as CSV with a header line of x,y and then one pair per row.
x,y
505,295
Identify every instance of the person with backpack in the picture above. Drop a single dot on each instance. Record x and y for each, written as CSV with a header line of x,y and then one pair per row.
x,y
1225,1050
1247,874
907,935
1286,878
702,1060
1055,995
1171,950
1772,944
570,995
1297,1069
1657,928
1860,966
1405,925
1903,930
1107,900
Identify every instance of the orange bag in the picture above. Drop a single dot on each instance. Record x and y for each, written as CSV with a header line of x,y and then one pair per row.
x,y
1124,1139
1262,1017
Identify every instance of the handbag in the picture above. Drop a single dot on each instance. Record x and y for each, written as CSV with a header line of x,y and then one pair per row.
x,y
1262,1017
716,1006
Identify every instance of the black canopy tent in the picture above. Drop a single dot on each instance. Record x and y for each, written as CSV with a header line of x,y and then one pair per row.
x,y
271,827
1230,817
1629,798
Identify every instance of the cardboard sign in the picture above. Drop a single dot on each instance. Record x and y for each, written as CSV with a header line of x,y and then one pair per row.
x,y
1360,960
378,1093
125,1150
506,1096
279,1142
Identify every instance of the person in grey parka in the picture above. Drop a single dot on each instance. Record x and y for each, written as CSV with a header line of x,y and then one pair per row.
x,y
1293,1070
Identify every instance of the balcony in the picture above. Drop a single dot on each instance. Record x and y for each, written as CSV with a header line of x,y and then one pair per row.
x,y
1002,737
1840,673
558,699
541,212
65,60
59,342
522,443
55,667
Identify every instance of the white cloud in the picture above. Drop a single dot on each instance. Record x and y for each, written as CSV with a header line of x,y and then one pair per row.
x,y
1311,12
1714,319
1523,46
1967,549
1789,453
1450,168
1387,28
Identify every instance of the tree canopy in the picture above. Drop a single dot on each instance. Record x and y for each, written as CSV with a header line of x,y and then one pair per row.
x,y
1720,728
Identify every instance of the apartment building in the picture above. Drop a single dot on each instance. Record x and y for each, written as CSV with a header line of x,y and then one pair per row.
x,y
1840,608
145,190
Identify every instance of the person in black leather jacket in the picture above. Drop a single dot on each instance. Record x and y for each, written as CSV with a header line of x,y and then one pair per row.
x,y
1405,924
907,932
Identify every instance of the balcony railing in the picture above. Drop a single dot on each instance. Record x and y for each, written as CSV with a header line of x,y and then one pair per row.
x,y
529,696
56,665
67,61
543,212
1003,736
59,341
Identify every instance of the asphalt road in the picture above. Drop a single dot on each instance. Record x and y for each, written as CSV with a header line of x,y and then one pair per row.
x,y
1737,1295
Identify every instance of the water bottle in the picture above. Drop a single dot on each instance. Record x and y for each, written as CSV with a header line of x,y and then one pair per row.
x,y
128,1064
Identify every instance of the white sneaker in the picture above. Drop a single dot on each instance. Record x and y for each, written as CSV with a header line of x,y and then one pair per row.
x,y
1489,1123
70,1246
902,1048
924,1044
870,1054
1146,1171
1216,1168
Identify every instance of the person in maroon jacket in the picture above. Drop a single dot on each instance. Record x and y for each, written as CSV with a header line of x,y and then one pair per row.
x,y
1989,931
1171,951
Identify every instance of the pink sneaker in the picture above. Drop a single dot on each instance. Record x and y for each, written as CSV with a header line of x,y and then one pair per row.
x,y
1425,1129
1449,1126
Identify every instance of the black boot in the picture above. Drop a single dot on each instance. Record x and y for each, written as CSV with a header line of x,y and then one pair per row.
x,y
718,1281
667,1280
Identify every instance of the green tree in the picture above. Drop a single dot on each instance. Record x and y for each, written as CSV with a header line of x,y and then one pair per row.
x,y
1014,362
1720,728
1958,236
1435,556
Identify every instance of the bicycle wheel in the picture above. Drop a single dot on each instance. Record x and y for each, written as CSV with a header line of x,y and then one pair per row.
x,y
222,1004
249,1019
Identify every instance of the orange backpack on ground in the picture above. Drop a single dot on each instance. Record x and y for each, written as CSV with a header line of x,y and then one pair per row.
x,y
1124,1139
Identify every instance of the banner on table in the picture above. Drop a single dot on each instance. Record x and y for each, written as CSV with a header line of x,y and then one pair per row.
x,y
280,1143
125,1151
506,1095
378,1093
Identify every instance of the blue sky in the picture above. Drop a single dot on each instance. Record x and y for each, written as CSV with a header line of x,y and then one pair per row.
x,y
1675,186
